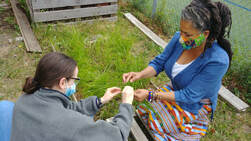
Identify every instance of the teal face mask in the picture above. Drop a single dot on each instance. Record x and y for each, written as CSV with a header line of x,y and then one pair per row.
x,y
70,90
188,44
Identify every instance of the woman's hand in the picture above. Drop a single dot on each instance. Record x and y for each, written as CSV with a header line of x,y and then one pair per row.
x,y
109,94
127,95
141,94
131,76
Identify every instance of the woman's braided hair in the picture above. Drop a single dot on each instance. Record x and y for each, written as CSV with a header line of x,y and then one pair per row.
x,y
212,16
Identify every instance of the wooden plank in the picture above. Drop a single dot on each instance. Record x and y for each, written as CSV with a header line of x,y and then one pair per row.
x,y
28,3
151,137
109,19
30,40
146,30
137,132
232,99
74,13
43,4
4,5
223,92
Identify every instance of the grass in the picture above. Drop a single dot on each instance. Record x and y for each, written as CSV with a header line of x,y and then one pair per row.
x,y
104,51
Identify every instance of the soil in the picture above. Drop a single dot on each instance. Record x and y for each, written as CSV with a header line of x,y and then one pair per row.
x,y
15,62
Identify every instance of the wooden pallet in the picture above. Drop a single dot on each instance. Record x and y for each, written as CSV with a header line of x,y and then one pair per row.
x,y
223,92
54,10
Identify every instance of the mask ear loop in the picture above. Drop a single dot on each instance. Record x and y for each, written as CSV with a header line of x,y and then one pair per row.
x,y
75,99
73,95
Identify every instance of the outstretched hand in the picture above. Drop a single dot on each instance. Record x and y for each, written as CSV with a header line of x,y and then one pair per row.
x,y
109,94
127,95
131,76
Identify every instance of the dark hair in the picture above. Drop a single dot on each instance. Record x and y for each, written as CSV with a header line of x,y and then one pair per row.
x,y
212,16
50,69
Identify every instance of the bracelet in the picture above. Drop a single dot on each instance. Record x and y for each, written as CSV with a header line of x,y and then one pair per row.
x,y
99,103
150,96
157,97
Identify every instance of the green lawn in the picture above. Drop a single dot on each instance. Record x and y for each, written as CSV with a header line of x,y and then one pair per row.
x,y
104,51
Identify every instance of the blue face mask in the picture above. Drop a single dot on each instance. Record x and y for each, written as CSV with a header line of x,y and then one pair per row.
x,y
71,90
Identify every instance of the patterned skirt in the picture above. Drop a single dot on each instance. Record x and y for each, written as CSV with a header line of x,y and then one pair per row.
x,y
168,122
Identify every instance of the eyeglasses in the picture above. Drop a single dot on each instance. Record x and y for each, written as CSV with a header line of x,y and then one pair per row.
x,y
76,80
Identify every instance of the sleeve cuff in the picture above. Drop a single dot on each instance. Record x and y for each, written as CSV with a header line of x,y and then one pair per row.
x,y
155,68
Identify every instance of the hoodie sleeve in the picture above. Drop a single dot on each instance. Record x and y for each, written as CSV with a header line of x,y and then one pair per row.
x,y
117,130
86,106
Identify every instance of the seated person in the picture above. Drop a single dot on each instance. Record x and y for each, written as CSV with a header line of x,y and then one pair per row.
x,y
195,60
46,113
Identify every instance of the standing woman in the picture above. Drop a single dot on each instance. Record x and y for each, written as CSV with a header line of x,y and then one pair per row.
x,y
46,113
195,60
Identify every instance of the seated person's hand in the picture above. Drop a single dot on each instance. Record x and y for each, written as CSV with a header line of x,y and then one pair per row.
x,y
141,94
109,94
131,76
127,95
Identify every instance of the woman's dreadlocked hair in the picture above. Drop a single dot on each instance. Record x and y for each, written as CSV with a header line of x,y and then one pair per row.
x,y
212,16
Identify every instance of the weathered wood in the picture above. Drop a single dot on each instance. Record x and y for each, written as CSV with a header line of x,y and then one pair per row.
x,y
4,5
137,132
74,13
232,99
108,19
223,92
146,30
30,40
30,9
146,127
42,4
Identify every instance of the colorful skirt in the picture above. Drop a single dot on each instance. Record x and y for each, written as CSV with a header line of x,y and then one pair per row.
x,y
168,122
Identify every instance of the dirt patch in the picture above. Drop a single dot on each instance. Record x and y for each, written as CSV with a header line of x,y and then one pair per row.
x,y
15,63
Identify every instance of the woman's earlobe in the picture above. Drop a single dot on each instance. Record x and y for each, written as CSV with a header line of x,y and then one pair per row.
x,y
206,33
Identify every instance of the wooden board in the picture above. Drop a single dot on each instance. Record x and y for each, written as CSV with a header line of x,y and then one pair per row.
x,y
137,132
110,19
42,4
146,30
74,13
30,40
232,99
3,5
223,92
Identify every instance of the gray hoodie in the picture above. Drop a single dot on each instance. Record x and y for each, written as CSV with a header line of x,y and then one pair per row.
x,y
49,115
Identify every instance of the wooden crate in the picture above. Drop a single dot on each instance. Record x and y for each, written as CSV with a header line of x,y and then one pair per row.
x,y
54,10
